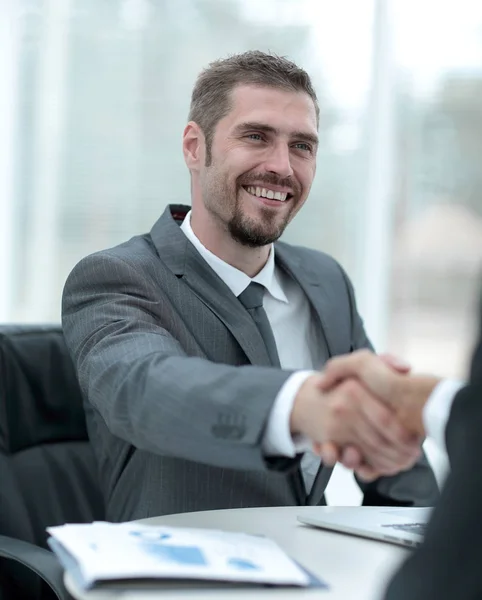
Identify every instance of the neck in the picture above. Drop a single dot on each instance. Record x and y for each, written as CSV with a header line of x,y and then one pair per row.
x,y
219,241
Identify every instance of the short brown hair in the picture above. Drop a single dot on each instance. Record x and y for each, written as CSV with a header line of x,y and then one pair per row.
x,y
210,100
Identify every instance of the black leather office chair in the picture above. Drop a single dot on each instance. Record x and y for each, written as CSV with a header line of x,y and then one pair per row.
x,y
48,474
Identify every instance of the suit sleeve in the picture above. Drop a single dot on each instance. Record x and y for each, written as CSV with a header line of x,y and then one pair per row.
x,y
416,487
447,565
139,379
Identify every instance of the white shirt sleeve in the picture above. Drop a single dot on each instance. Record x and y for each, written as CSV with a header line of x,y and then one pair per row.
x,y
437,409
277,440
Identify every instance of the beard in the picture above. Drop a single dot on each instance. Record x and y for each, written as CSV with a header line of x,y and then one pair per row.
x,y
252,233
247,231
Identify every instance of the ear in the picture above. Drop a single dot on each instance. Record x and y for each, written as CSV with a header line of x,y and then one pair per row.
x,y
193,146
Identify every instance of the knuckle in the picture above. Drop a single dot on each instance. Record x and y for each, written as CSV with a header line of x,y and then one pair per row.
x,y
330,368
404,438
408,464
363,355
350,389
340,407
386,420
331,362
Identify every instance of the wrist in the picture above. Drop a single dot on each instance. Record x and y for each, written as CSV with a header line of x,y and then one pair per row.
x,y
416,391
301,413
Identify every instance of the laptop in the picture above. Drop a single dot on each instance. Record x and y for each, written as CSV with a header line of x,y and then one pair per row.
x,y
403,526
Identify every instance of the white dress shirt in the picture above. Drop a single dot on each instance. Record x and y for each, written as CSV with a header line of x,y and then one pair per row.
x,y
437,409
298,343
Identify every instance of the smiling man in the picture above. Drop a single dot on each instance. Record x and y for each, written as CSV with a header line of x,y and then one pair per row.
x,y
198,345
253,174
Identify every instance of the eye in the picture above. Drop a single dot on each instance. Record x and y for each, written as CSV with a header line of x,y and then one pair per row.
x,y
255,136
303,146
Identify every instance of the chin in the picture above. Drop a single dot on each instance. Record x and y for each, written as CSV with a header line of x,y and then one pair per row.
x,y
254,237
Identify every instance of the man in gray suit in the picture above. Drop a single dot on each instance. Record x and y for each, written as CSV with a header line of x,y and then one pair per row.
x,y
197,346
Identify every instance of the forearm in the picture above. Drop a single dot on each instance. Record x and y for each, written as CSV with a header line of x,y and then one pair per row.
x,y
187,407
153,389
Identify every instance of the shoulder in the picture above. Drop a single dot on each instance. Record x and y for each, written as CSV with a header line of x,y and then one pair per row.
x,y
138,250
135,257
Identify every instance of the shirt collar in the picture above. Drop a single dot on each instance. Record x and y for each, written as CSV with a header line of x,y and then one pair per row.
x,y
236,280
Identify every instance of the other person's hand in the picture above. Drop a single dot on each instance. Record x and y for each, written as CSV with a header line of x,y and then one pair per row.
x,y
386,377
349,415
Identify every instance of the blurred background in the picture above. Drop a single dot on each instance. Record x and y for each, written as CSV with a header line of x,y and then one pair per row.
x,y
94,96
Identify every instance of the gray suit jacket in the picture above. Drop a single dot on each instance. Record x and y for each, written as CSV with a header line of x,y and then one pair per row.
x,y
177,382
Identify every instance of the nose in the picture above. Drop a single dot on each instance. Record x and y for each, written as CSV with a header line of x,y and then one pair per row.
x,y
279,161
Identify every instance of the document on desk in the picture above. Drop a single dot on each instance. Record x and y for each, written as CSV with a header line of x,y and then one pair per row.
x,y
100,552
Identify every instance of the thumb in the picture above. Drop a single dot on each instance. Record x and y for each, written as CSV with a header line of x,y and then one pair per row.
x,y
396,363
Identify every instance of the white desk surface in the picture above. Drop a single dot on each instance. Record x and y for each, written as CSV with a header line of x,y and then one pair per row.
x,y
354,568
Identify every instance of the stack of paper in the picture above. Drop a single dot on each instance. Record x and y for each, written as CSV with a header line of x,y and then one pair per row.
x,y
101,552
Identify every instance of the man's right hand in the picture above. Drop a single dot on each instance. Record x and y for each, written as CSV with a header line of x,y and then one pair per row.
x,y
349,415
406,395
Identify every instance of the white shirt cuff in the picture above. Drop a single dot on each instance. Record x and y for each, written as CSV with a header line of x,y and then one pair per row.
x,y
437,409
277,440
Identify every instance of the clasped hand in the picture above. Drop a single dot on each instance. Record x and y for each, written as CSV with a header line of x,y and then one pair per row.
x,y
365,411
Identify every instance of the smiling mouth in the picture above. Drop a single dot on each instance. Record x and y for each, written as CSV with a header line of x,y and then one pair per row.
x,y
261,192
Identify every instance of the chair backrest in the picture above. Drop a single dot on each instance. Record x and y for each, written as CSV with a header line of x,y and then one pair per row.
x,y
48,474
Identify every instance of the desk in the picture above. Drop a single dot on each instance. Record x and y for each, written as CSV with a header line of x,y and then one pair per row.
x,y
355,568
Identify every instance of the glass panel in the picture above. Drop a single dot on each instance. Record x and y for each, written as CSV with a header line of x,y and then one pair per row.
x,y
438,227
104,96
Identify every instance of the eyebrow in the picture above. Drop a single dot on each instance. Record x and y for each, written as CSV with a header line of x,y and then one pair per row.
x,y
299,135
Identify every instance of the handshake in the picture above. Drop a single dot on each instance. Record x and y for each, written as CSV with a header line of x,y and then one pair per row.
x,y
365,411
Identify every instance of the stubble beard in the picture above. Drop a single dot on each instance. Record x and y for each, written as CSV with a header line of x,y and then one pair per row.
x,y
255,234
248,232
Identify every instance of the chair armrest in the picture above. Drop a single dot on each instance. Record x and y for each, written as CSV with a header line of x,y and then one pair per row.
x,y
43,562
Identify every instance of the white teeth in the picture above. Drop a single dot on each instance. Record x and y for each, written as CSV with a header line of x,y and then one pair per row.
x,y
264,193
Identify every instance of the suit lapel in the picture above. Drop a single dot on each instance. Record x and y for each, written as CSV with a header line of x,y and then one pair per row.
x,y
310,283
216,295
185,261
322,303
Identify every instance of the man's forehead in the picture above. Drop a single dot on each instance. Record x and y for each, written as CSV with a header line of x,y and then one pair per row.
x,y
263,101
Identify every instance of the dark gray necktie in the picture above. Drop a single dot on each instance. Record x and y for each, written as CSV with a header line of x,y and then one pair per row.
x,y
252,299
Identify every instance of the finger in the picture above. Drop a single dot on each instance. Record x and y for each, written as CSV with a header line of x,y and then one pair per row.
x,y
379,449
328,452
374,450
376,376
396,363
367,473
379,452
387,425
351,457
368,368
352,427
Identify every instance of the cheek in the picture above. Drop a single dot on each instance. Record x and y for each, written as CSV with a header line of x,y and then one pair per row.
x,y
243,160
306,176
